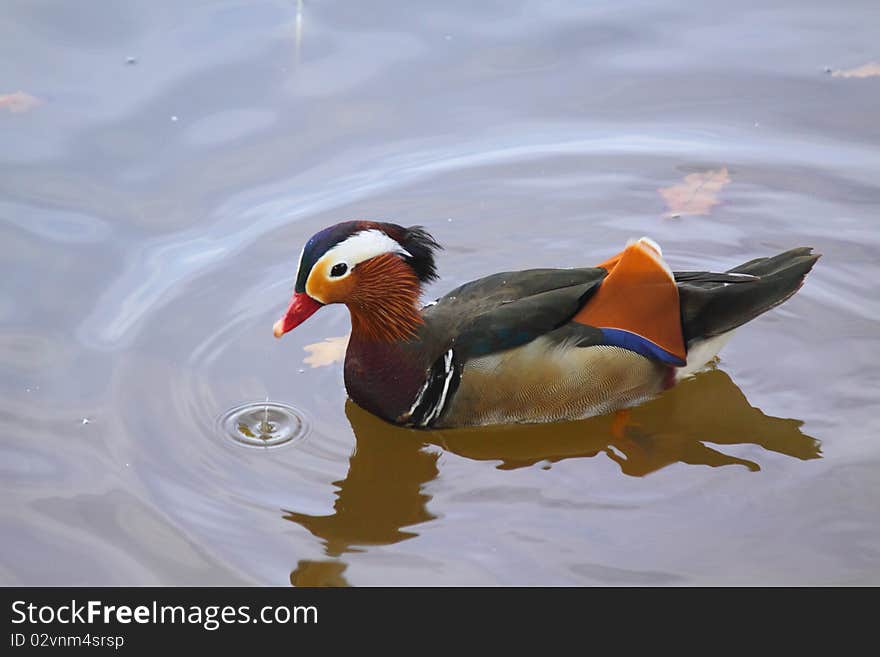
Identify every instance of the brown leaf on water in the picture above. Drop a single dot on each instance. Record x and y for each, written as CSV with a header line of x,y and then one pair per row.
x,y
864,71
326,352
697,194
18,102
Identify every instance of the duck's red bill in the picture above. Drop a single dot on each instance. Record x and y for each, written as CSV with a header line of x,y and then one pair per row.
x,y
302,306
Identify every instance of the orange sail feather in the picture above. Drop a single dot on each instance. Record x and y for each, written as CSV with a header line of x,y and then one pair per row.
x,y
639,295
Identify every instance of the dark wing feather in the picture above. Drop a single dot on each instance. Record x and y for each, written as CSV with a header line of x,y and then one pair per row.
x,y
509,309
712,304
698,277
521,321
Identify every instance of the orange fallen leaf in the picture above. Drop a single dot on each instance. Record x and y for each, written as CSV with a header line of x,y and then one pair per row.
x,y
697,194
19,102
326,352
865,71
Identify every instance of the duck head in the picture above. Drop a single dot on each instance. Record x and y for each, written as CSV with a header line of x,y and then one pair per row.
x,y
376,269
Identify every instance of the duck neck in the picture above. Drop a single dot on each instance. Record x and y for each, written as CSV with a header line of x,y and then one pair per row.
x,y
384,305
383,377
383,362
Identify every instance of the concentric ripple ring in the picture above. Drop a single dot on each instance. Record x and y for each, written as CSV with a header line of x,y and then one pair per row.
x,y
263,424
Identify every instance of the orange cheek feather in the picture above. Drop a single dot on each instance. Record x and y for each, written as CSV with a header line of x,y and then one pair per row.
x,y
638,295
326,290
381,293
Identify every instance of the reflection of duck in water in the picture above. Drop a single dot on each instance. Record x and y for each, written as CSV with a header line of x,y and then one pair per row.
x,y
532,346
674,427
382,494
319,573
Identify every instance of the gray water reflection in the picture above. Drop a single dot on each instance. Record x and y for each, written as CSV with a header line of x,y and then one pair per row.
x,y
151,215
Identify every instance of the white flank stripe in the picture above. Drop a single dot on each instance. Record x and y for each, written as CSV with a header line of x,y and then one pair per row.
x,y
412,409
435,413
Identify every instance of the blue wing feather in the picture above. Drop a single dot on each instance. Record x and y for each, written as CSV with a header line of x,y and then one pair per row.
x,y
635,342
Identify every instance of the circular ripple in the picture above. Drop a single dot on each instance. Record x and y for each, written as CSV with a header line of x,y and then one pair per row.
x,y
263,424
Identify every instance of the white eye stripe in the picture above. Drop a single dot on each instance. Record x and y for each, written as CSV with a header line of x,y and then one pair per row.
x,y
363,246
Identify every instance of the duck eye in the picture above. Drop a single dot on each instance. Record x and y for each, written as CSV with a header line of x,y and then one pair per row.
x,y
339,269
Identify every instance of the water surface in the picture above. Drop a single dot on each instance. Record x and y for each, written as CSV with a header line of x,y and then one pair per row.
x,y
152,208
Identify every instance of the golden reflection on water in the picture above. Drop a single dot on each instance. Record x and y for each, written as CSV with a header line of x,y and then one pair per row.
x,y
319,573
382,493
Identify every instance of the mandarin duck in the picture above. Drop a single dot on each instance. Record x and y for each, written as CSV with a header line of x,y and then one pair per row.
x,y
539,345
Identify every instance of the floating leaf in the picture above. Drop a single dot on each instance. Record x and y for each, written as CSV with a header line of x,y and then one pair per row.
x,y
865,71
697,194
326,352
19,102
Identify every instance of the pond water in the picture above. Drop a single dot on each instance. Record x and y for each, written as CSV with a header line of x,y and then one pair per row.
x,y
165,162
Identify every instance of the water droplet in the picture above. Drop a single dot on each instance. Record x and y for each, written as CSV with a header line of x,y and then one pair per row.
x,y
263,424
130,60
85,420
